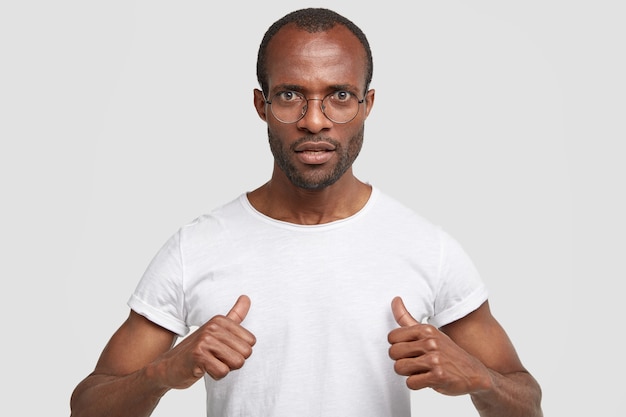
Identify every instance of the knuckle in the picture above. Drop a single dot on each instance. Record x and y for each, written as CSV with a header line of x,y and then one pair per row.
x,y
209,329
435,360
400,367
438,373
237,362
219,374
437,370
212,326
247,352
397,367
197,355
414,382
431,345
208,340
392,336
219,371
392,353
430,328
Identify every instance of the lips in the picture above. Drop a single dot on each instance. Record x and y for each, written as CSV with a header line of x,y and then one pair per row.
x,y
314,153
314,147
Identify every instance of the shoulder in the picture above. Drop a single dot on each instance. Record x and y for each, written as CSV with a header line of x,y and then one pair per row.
x,y
216,218
398,214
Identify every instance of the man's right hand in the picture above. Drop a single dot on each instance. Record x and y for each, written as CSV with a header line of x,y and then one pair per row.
x,y
216,348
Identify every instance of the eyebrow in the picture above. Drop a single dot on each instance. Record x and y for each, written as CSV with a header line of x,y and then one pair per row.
x,y
290,87
346,87
300,89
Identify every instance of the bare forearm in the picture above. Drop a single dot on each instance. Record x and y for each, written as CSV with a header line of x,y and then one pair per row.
x,y
133,395
511,395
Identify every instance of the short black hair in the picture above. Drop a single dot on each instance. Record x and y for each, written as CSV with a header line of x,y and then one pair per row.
x,y
312,20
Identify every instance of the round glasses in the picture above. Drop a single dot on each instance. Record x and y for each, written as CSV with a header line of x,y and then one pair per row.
x,y
291,106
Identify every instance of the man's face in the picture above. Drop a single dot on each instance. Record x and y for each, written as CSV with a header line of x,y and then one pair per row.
x,y
315,152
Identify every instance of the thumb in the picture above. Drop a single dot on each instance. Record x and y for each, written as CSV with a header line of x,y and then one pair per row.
x,y
240,309
401,314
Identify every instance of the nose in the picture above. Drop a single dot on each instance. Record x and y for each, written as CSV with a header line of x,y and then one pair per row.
x,y
314,119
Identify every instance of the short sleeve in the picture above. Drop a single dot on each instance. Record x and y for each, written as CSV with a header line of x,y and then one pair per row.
x,y
460,287
159,294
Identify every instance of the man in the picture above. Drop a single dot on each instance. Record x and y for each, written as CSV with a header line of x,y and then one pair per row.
x,y
312,270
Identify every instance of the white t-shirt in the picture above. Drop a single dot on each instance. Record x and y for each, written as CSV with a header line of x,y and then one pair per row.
x,y
321,302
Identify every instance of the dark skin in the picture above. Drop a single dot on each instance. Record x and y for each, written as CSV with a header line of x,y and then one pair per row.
x,y
138,365
472,355
315,65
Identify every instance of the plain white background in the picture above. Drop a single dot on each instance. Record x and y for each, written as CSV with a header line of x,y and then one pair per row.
x,y
501,121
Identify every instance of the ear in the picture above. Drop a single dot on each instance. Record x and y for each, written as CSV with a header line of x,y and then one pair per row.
x,y
369,101
259,104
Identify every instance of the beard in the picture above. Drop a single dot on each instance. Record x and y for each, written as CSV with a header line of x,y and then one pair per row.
x,y
321,176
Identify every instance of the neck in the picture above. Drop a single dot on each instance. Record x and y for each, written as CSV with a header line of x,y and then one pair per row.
x,y
284,201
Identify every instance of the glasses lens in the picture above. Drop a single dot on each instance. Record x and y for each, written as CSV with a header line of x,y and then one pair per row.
x,y
340,106
288,106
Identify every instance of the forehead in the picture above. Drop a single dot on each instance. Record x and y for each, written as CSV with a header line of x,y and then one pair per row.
x,y
311,60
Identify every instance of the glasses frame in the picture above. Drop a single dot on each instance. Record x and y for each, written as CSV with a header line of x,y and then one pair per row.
x,y
321,100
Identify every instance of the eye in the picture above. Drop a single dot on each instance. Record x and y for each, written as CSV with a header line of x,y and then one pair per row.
x,y
288,97
341,96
